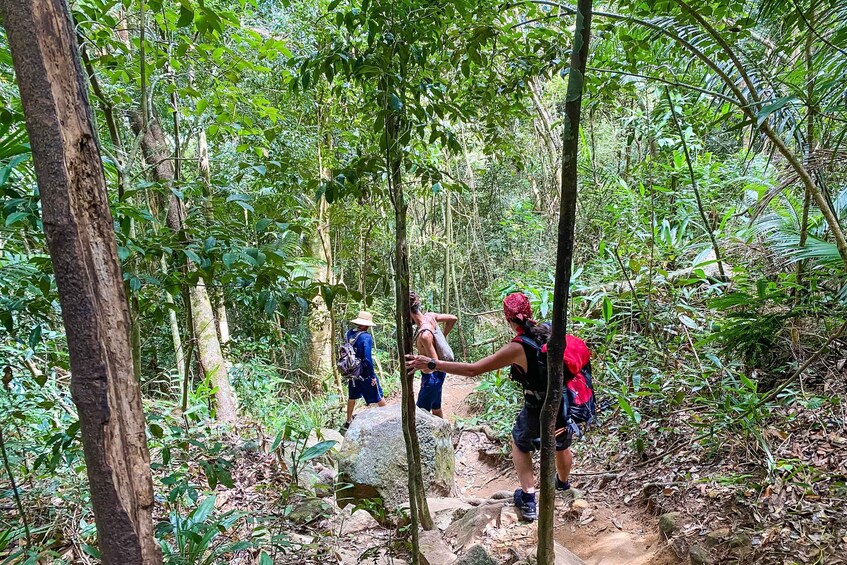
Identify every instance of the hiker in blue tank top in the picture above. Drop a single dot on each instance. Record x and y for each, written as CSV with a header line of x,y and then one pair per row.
x,y
367,386
431,342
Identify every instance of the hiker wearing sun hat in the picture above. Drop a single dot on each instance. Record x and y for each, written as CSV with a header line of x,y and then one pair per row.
x,y
366,384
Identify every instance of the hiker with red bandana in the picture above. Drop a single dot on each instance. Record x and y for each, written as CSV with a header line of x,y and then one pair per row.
x,y
526,356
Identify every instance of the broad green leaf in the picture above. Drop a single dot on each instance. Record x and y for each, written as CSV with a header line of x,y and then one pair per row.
x,y
688,322
15,217
204,510
186,16
394,102
192,256
765,112
156,431
608,310
316,450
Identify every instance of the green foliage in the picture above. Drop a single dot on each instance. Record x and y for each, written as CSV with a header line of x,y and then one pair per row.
x,y
191,540
296,100
497,400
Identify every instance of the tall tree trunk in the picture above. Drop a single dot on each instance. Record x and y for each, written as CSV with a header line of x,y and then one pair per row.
x,y
81,239
216,294
561,292
551,140
321,324
209,351
448,251
810,134
418,507
179,352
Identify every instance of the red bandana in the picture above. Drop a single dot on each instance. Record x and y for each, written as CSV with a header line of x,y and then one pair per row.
x,y
516,307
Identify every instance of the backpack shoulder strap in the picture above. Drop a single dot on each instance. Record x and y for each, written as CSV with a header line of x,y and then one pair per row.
x,y
352,340
422,330
526,340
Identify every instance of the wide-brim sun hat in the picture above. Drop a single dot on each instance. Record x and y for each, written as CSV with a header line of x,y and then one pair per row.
x,y
364,319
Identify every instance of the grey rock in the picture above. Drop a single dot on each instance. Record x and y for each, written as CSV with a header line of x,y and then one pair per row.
x,y
476,555
445,511
372,459
433,549
698,556
502,495
741,544
563,556
470,529
717,537
669,524
356,522
309,510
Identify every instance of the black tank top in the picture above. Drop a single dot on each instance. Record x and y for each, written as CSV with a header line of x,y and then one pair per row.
x,y
530,378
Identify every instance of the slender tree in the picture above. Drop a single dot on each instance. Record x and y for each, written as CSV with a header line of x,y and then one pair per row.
x,y
209,350
564,257
418,508
81,240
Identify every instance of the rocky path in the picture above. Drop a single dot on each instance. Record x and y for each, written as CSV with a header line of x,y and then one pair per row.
x,y
595,524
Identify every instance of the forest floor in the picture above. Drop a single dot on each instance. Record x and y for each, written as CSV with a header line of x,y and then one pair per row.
x,y
723,509
605,530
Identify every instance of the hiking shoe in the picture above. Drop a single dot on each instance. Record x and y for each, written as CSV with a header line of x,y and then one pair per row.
x,y
562,485
343,429
525,503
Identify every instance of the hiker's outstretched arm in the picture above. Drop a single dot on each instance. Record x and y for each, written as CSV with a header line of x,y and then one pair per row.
x,y
449,320
505,356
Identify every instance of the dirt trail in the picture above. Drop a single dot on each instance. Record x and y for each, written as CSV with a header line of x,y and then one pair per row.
x,y
607,533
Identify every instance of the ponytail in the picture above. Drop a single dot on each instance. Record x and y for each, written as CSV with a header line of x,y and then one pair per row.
x,y
539,333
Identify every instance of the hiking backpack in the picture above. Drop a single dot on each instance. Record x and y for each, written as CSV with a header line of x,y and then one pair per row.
x,y
349,366
578,385
442,347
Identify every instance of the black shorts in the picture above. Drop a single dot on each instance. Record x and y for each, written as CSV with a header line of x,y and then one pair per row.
x,y
526,432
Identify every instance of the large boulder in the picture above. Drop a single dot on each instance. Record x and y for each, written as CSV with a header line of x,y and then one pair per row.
x,y
373,462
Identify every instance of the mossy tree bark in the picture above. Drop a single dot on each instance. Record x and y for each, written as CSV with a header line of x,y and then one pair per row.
x,y
81,239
